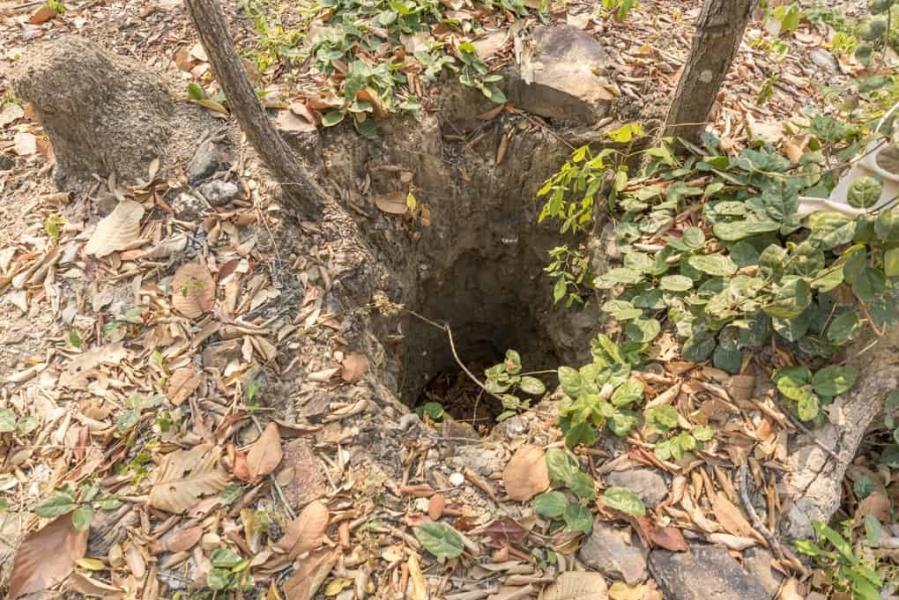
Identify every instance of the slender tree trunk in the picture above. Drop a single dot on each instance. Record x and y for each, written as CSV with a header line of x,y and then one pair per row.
x,y
300,189
719,30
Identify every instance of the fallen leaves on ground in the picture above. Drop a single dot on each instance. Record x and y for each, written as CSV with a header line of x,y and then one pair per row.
x,y
117,231
526,474
46,557
193,290
184,477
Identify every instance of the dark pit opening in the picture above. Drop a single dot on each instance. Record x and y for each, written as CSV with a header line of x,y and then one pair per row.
x,y
494,299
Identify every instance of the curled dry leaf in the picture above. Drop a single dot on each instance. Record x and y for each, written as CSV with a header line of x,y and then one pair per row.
x,y
265,454
416,588
393,203
43,14
46,557
436,505
875,504
669,538
287,120
310,574
182,384
577,585
353,367
181,540
306,532
119,230
184,476
193,290
526,474
730,517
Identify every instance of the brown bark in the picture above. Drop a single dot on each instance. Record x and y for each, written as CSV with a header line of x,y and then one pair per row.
x,y
300,189
719,30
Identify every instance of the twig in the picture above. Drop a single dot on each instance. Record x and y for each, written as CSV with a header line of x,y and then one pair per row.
x,y
449,334
753,516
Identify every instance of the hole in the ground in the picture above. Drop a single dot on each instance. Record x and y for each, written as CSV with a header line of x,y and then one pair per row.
x,y
492,298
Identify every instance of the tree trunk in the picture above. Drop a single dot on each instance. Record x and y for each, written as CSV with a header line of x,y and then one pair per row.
x,y
300,189
719,30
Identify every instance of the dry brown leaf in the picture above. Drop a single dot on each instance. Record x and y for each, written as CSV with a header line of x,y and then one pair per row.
x,y
310,574
526,474
265,454
436,505
93,588
119,230
288,121
354,366
43,14
732,542
740,387
184,476
393,203
416,588
181,540
193,290
730,517
182,384
669,538
305,533
790,590
622,591
24,143
875,504
81,365
46,557
577,585
792,150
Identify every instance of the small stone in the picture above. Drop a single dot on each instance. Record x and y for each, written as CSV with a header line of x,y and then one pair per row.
x,y
703,573
6,162
187,206
646,483
208,158
611,551
219,193
456,479
561,75
824,59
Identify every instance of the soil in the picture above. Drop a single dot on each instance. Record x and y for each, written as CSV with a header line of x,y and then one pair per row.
x,y
470,255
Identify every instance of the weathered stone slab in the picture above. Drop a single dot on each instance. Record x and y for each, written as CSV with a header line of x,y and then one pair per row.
x,y
562,75
612,552
703,573
646,483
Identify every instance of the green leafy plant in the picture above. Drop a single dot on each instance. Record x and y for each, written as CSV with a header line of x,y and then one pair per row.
x,y
874,31
600,394
811,391
53,225
58,6
440,539
624,500
506,379
620,8
570,268
365,43
81,504
662,422
12,423
787,16
230,571
749,269
572,487
846,566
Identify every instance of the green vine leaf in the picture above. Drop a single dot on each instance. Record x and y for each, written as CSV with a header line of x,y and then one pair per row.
x,y
440,539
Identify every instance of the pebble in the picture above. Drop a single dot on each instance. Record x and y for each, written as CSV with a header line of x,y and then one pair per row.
x,y
457,479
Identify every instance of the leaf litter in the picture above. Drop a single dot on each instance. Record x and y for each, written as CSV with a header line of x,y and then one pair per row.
x,y
114,397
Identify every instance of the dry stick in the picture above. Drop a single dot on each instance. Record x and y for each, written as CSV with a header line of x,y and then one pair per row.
x,y
449,333
302,192
753,516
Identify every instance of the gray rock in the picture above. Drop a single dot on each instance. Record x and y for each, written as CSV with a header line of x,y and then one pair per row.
x,y
6,162
646,483
219,193
187,206
561,75
824,59
703,573
614,553
758,562
209,157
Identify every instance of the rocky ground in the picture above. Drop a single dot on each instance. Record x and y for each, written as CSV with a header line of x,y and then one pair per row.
x,y
219,392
